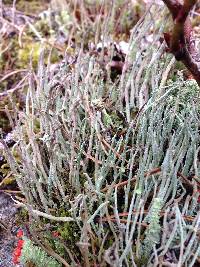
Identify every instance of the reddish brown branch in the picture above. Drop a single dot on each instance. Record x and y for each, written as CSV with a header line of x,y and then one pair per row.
x,y
181,42
187,183
112,218
174,6
121,184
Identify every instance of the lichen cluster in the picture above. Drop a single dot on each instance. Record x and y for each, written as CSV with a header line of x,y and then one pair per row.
x,y
109,169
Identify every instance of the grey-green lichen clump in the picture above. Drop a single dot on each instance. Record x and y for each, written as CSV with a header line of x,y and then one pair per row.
x,y
124,181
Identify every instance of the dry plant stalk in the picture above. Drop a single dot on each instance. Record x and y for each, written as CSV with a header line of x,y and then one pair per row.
x,y
181,42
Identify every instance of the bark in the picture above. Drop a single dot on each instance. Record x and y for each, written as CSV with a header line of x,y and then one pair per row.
x,y
181,42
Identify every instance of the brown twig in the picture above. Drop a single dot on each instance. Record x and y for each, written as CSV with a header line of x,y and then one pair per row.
x,y
12,73
181,42
3,225
125,214
10,192
13,90
184,179
174,6
121,184
121,221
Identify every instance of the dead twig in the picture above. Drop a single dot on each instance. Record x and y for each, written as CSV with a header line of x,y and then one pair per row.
x,y
2,225
12,73
121,184
16,88
124,214
184,179
181,42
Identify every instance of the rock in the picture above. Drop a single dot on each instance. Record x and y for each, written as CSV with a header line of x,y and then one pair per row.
x,y
7,220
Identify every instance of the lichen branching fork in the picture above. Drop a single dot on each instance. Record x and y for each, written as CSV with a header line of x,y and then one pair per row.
x,y
181,42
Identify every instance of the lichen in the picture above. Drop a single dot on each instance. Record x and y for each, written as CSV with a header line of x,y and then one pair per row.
x,y
32,254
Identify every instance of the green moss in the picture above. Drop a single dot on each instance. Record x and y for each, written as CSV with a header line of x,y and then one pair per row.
x,y
25,53
69,231
141,262
32,52
7,61
31,6
68,234
4,122
22,217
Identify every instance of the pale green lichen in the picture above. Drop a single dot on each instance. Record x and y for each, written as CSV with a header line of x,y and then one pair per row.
x,y
153,232
35,255
116,174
